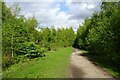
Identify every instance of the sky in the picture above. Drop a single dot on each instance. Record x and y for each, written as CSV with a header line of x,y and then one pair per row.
x,y
62,13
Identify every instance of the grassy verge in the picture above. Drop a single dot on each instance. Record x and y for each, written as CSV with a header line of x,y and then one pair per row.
x,y
53,65
104,63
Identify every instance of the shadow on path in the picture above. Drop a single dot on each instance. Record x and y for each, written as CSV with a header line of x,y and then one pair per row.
x,y
81,67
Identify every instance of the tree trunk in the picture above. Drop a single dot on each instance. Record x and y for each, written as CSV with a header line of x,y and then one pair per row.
x,y
12,45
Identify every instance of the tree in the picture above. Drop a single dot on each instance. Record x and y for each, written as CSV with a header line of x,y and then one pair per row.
x,y
100,34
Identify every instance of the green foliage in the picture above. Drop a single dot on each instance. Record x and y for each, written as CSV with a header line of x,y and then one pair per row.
x,y
65,37
100,34
16,30
82,34
52,38
31,50
7,61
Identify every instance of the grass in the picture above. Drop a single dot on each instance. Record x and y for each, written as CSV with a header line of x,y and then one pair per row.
x,y
104,63
54,65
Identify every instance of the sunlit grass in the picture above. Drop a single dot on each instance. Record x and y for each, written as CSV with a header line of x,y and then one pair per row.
x,y
53,65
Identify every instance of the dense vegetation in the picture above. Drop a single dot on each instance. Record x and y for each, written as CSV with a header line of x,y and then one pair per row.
x,y
100,34
21,38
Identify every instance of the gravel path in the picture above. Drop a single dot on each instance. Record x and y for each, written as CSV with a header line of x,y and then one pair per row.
x,y
81,67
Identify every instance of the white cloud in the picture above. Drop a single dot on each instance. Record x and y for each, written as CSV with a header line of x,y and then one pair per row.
x,y
80,10
53,14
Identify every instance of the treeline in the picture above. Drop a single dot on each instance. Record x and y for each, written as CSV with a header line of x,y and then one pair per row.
x,y
21,39
100,34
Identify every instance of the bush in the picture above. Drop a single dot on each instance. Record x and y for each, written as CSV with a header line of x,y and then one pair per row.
x,y
31,50
6,61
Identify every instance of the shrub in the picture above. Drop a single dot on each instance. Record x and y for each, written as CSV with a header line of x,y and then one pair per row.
x,y
8,61
31,50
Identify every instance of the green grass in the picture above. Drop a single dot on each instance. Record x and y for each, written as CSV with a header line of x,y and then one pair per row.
x,y
54,65
104,63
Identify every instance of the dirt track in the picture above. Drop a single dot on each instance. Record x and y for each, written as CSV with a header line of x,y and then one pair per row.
x,y
81,67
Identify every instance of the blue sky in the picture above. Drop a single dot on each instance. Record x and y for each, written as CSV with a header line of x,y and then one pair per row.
x,y
59,14
63,7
